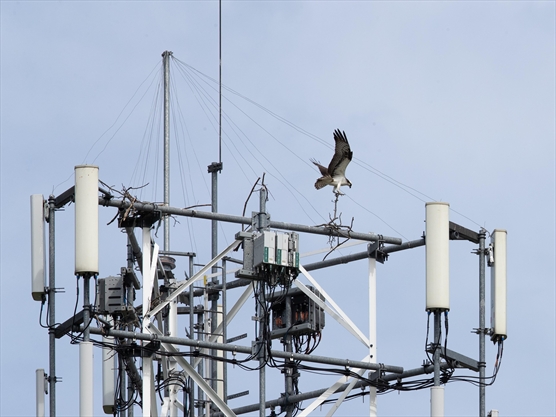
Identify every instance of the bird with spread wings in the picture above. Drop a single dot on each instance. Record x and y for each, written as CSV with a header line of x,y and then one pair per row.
x,y
335,174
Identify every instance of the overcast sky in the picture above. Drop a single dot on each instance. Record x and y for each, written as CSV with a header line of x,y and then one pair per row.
x,y
441,101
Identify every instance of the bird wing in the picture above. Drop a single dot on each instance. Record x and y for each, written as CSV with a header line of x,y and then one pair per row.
x,y
342,155
323,170
323,182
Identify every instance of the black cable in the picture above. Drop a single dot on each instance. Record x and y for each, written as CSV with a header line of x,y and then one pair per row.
x,y
40,316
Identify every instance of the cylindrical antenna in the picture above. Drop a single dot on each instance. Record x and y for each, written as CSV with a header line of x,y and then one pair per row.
x,y
86,220
38,247
498,284
40,381
437,241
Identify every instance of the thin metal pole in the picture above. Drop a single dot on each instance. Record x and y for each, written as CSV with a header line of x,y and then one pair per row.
x,y
200,368
437,391
52,304
372,331
191,336
482,354
213,170
436,355
261,315
220,83
127,383
262,352
288,371
224,332
86,308
166,63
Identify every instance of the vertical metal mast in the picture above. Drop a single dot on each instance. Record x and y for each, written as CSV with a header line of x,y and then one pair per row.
x,y
214,169
51,304
482,329
166,63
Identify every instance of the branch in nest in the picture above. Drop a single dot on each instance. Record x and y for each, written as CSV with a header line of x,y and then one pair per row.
x,y
248,198
125,195
197,205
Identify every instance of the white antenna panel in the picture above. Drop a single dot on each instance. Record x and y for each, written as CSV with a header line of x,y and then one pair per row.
x,y
498,285
109,371
38,248
86,220
437,239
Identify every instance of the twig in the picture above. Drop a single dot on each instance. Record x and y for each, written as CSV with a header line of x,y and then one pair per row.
x,y
248,197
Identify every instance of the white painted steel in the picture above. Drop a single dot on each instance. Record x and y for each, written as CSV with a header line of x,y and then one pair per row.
x,y
185,284
190,371
147,290
325,395
38,248
220,354
237,306
498,282
86,379
437,239
337,313
86,219
437,401
173,329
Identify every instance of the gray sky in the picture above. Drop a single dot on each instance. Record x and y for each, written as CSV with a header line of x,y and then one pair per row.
x,y
453,99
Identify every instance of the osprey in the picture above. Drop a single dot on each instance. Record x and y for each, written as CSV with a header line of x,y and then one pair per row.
x,y
335,174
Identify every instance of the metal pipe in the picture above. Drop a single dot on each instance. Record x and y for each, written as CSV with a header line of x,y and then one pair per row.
x,y
436,353
482,353
52,304
166,63
261,316
127,383
199,344
200,367
437,391
192,337
288,371
372,331
136,248
363,255
213,170
319,230
224,331
86,308
282,401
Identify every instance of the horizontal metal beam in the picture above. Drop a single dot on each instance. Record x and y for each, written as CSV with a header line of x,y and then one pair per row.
x,y
459,359
248,350
67,326
319,230
458,232
363,255
292,399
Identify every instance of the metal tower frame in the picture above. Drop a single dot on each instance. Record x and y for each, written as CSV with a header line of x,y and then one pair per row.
x,y
158,337
158,313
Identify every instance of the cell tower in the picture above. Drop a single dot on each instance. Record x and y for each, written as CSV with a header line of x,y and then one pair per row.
x,y
146,357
